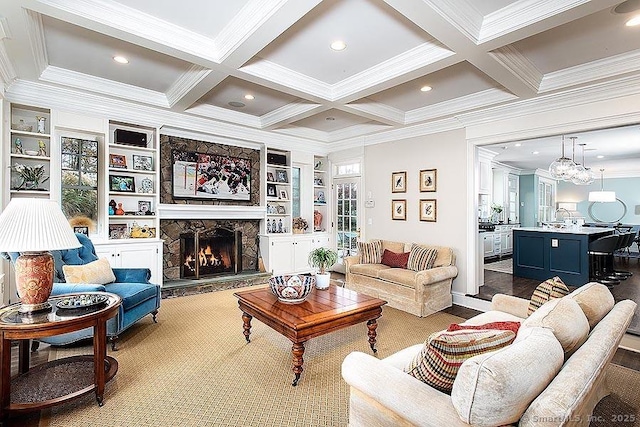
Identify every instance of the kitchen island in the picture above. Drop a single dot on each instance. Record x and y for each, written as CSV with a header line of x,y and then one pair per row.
x,y
541,253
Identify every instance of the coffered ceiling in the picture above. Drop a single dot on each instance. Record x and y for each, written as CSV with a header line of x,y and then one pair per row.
x,y
205,58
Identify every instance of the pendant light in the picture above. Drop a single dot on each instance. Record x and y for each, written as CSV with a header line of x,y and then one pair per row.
x,y
563,167
583,175
602,196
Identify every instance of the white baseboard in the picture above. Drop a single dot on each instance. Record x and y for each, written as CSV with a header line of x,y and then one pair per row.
x,y
470,302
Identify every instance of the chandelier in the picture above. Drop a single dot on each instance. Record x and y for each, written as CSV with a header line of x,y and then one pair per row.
x,y
563,167
583,175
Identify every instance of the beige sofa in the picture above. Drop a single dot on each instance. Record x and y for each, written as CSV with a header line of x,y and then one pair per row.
x,y
421,293
549,376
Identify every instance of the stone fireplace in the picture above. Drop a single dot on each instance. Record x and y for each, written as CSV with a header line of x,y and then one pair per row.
x,y
210,253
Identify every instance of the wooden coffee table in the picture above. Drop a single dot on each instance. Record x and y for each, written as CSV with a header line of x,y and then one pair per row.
x,y
324,311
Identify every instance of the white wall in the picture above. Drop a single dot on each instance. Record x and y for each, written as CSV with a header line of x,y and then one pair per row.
x,y
446,152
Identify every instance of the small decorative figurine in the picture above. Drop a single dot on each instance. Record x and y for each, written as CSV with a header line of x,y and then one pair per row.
x,y
112,207
41,126
18,146
280,230
42,148
268,226
119,210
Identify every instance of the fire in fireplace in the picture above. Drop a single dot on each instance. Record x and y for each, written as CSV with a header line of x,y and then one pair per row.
x,y
210,253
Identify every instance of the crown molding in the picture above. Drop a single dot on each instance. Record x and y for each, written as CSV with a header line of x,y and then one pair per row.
x,y
35,30
133,21
226,115
519,65
404,63
600,69
379,111
461,14
306,133
624,86
472,101
216,139
355,131
51,96
288,78
246,22
185,83
104,86
289,112
520,14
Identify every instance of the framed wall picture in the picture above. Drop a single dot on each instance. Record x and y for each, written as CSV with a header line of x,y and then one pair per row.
x,y
142,163
399,182
271,190
399,210
428,210
428,180
281,175
117,161
125,184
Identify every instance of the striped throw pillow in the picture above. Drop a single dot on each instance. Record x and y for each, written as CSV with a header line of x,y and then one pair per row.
x,y
546,291
438,362
421,258
370,252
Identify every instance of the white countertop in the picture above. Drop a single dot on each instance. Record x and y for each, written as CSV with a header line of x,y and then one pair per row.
x,y
580,230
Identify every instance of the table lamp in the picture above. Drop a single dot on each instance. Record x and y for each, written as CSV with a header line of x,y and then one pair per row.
x,y
33,227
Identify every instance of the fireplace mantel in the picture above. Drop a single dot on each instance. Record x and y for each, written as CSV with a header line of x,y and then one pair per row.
x,y
178,211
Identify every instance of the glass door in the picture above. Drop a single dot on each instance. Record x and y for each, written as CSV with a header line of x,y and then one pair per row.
x,y
346,214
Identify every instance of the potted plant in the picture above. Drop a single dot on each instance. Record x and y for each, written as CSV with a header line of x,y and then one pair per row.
x,y
322,259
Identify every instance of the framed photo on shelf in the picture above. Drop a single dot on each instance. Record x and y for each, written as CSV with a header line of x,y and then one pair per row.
x,y
283,195
124,184
118,231
271,190
142,163
399,182
428,180
281,210
320,197
146,186
399,210
270,177
117,161
281,175
144,206
81,230
428,210
318,181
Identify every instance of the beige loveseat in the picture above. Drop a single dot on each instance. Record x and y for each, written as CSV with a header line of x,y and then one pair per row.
x,y
549,376
417,292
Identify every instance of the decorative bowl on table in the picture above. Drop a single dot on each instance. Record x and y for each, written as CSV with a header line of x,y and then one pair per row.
x,y
292,289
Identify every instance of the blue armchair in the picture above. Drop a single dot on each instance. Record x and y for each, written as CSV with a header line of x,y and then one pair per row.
x,y
139,297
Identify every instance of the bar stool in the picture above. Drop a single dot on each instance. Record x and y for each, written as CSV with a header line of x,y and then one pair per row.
x,y
626,239
600,259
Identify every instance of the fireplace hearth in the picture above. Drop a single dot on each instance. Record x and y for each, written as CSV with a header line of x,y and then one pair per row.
x,y
209,253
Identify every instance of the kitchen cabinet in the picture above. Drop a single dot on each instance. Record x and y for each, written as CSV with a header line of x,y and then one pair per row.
x,y
135,254
487,245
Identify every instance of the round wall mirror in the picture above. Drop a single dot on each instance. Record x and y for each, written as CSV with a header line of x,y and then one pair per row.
x,y
607,212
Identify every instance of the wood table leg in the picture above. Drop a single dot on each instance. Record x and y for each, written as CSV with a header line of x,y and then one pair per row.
x,y
24,356
297,351
246,325
372,325
99,357
5,379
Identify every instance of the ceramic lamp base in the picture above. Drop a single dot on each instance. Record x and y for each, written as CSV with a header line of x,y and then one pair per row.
x,y
34,280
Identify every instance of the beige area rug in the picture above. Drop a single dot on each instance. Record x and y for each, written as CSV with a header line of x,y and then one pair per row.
x,y
502,266
194,368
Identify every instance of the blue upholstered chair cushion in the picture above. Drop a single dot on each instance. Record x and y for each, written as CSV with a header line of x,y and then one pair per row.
x,y
132,294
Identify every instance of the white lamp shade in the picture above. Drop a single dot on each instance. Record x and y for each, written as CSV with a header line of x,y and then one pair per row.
x,y
35,225
602,196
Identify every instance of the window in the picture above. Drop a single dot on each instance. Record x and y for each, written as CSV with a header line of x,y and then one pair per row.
x,y
79,183
348,169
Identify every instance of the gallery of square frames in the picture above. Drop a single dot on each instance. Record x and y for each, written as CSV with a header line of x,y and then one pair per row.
x,y
399,209
428,210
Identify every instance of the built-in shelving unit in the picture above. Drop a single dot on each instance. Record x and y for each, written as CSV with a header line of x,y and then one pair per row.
x,y
279,192
132,182
29,151
321,194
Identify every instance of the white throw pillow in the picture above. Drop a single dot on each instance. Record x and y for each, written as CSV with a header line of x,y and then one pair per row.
x,y
595,300
98,272
496,388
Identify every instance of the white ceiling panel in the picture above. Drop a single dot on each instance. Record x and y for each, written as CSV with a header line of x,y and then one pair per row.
x,y
146,69
323,122
485,7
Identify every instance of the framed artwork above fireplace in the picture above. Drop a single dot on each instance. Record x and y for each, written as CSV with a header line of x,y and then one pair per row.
x,y
210,176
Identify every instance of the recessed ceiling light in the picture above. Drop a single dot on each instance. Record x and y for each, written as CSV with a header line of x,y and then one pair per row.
x,y
330,119
600,156
425,88
237,104
535,152
338,45
249,96
633,21
120,59
517,144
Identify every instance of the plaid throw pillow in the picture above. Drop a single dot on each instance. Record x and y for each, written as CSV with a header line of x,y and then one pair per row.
x,y
421,258
438,362
370,252
546,291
